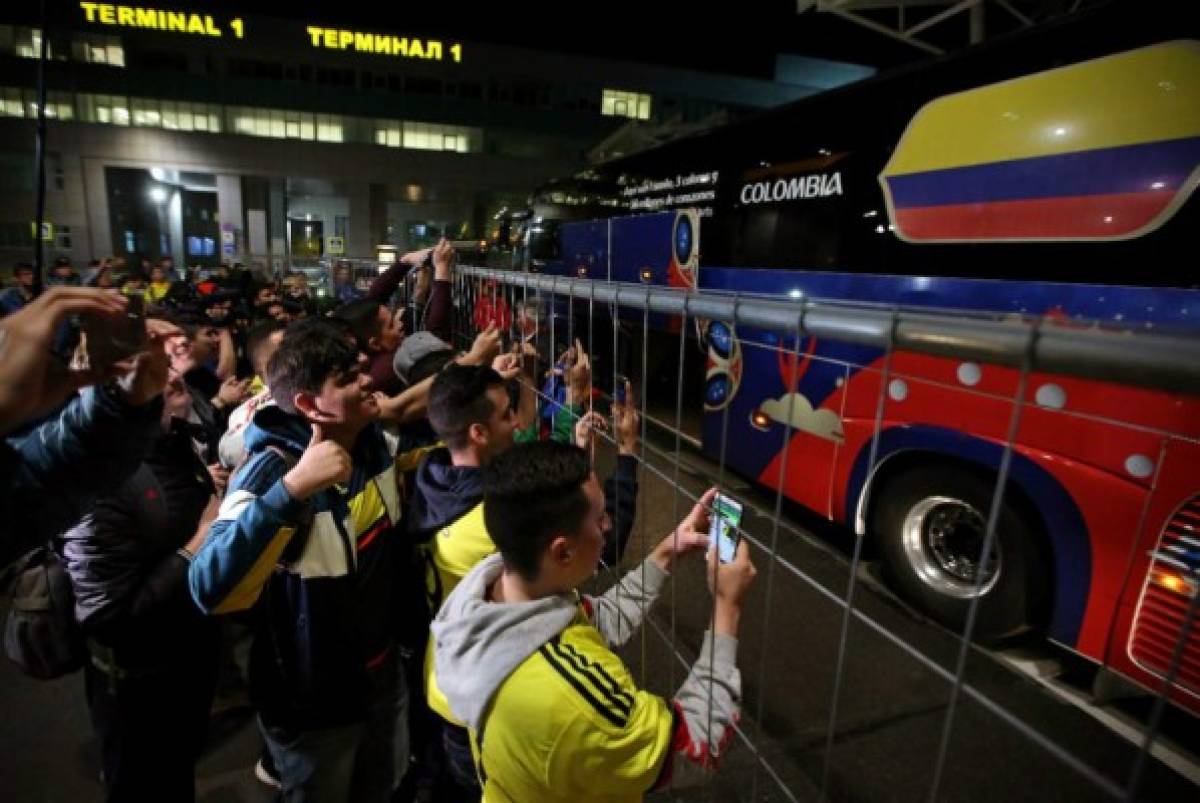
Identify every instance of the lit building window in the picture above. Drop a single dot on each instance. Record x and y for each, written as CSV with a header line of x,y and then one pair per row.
x,y
27,43
95,49
146,113
427,136
18,103
10,103
88,48
107,109
388,134
184,116
417,136
618,103
329,128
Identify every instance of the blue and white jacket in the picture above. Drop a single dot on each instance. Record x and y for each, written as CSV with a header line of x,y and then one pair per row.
x,y
324,576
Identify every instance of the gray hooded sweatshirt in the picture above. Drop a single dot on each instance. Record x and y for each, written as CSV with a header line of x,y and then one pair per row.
x,y
479,643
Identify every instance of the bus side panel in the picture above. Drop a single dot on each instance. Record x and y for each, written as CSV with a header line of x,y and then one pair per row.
x,y
585,250
1150,617
1083,468
642,242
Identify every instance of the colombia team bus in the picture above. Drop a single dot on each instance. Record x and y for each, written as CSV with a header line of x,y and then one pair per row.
x,y
1048,173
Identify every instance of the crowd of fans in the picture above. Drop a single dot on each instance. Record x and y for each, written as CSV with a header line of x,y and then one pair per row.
x,y
387,522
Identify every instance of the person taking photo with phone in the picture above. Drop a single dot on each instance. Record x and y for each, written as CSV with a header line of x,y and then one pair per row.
x,y
528,663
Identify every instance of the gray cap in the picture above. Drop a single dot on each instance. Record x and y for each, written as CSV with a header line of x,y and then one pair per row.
x,y
415,348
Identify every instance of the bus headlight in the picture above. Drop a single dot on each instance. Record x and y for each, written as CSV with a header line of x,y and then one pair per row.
x,y
1172,581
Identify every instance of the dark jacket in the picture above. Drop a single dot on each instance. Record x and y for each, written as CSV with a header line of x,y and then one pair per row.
x,y
321,574
444,492
212,425
51,472
129,579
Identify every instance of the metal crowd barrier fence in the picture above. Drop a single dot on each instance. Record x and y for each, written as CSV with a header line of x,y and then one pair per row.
x,y
551,312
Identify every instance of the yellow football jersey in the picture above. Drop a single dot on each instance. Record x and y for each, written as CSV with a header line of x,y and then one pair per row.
x,y
569,725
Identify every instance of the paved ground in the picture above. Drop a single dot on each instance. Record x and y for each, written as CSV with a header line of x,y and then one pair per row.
x,y
890,719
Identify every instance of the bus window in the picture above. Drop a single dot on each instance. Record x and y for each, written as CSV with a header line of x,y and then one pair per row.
x,y
542,242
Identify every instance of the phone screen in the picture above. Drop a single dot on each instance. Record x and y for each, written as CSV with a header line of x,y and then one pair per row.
x,y
619,391
722,530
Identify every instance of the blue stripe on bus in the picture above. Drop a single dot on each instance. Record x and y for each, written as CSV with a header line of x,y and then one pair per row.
x,y
1149,167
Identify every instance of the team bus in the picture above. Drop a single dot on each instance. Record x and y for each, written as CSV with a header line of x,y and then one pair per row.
x,y
1050,173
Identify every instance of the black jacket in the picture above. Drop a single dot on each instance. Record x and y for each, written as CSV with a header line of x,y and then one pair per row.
x,y
444,492
130,582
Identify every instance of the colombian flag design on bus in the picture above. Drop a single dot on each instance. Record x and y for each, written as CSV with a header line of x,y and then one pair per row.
x,y
1106,149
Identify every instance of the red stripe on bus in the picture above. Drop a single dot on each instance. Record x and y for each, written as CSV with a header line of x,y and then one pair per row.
x,y
1083,216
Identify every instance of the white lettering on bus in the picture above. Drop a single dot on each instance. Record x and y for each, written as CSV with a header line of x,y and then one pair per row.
x,y
813,186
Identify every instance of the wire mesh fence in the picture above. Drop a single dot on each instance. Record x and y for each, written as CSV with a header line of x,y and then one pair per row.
x,y
950,444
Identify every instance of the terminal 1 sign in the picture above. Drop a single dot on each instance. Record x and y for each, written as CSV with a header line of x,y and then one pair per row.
x,y
175,21
154,19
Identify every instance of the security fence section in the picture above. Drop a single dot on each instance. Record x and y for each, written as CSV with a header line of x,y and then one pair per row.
x,y
920,488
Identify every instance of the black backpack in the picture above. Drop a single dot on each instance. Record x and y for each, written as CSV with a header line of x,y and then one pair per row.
x,y
40,633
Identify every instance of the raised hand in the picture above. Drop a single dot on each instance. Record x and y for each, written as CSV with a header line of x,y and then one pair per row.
x,y
690,536
32,381
323,465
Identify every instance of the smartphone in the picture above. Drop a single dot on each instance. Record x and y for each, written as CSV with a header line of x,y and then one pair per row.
x,y
112,340
722,530
619,392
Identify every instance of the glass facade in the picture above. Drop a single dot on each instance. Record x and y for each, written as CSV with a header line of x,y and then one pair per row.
x,y
175,115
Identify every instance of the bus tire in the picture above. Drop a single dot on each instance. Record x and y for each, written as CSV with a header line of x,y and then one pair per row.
x,y
930,523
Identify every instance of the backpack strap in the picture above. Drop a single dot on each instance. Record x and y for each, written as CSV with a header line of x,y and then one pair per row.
x,y
300,537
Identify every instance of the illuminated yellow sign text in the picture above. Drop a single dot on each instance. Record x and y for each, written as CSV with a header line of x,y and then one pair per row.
x,y
382,44
158,20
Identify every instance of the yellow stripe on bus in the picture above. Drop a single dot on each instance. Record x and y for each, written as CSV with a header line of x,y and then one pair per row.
x,y
1140,96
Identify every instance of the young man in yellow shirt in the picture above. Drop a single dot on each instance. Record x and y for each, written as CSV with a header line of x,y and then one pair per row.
x,y
526,662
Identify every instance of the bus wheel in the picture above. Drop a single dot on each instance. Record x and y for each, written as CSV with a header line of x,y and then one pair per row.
x,y
931,523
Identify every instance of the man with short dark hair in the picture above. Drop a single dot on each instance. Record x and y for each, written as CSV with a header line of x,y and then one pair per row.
x,y
307,523
378,333
212,400
526,661
213,344
472,413
378,329
264,297
17,296
63,274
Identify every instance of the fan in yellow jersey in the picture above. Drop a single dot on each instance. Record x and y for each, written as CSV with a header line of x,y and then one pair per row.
x,y
527,664
471,415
